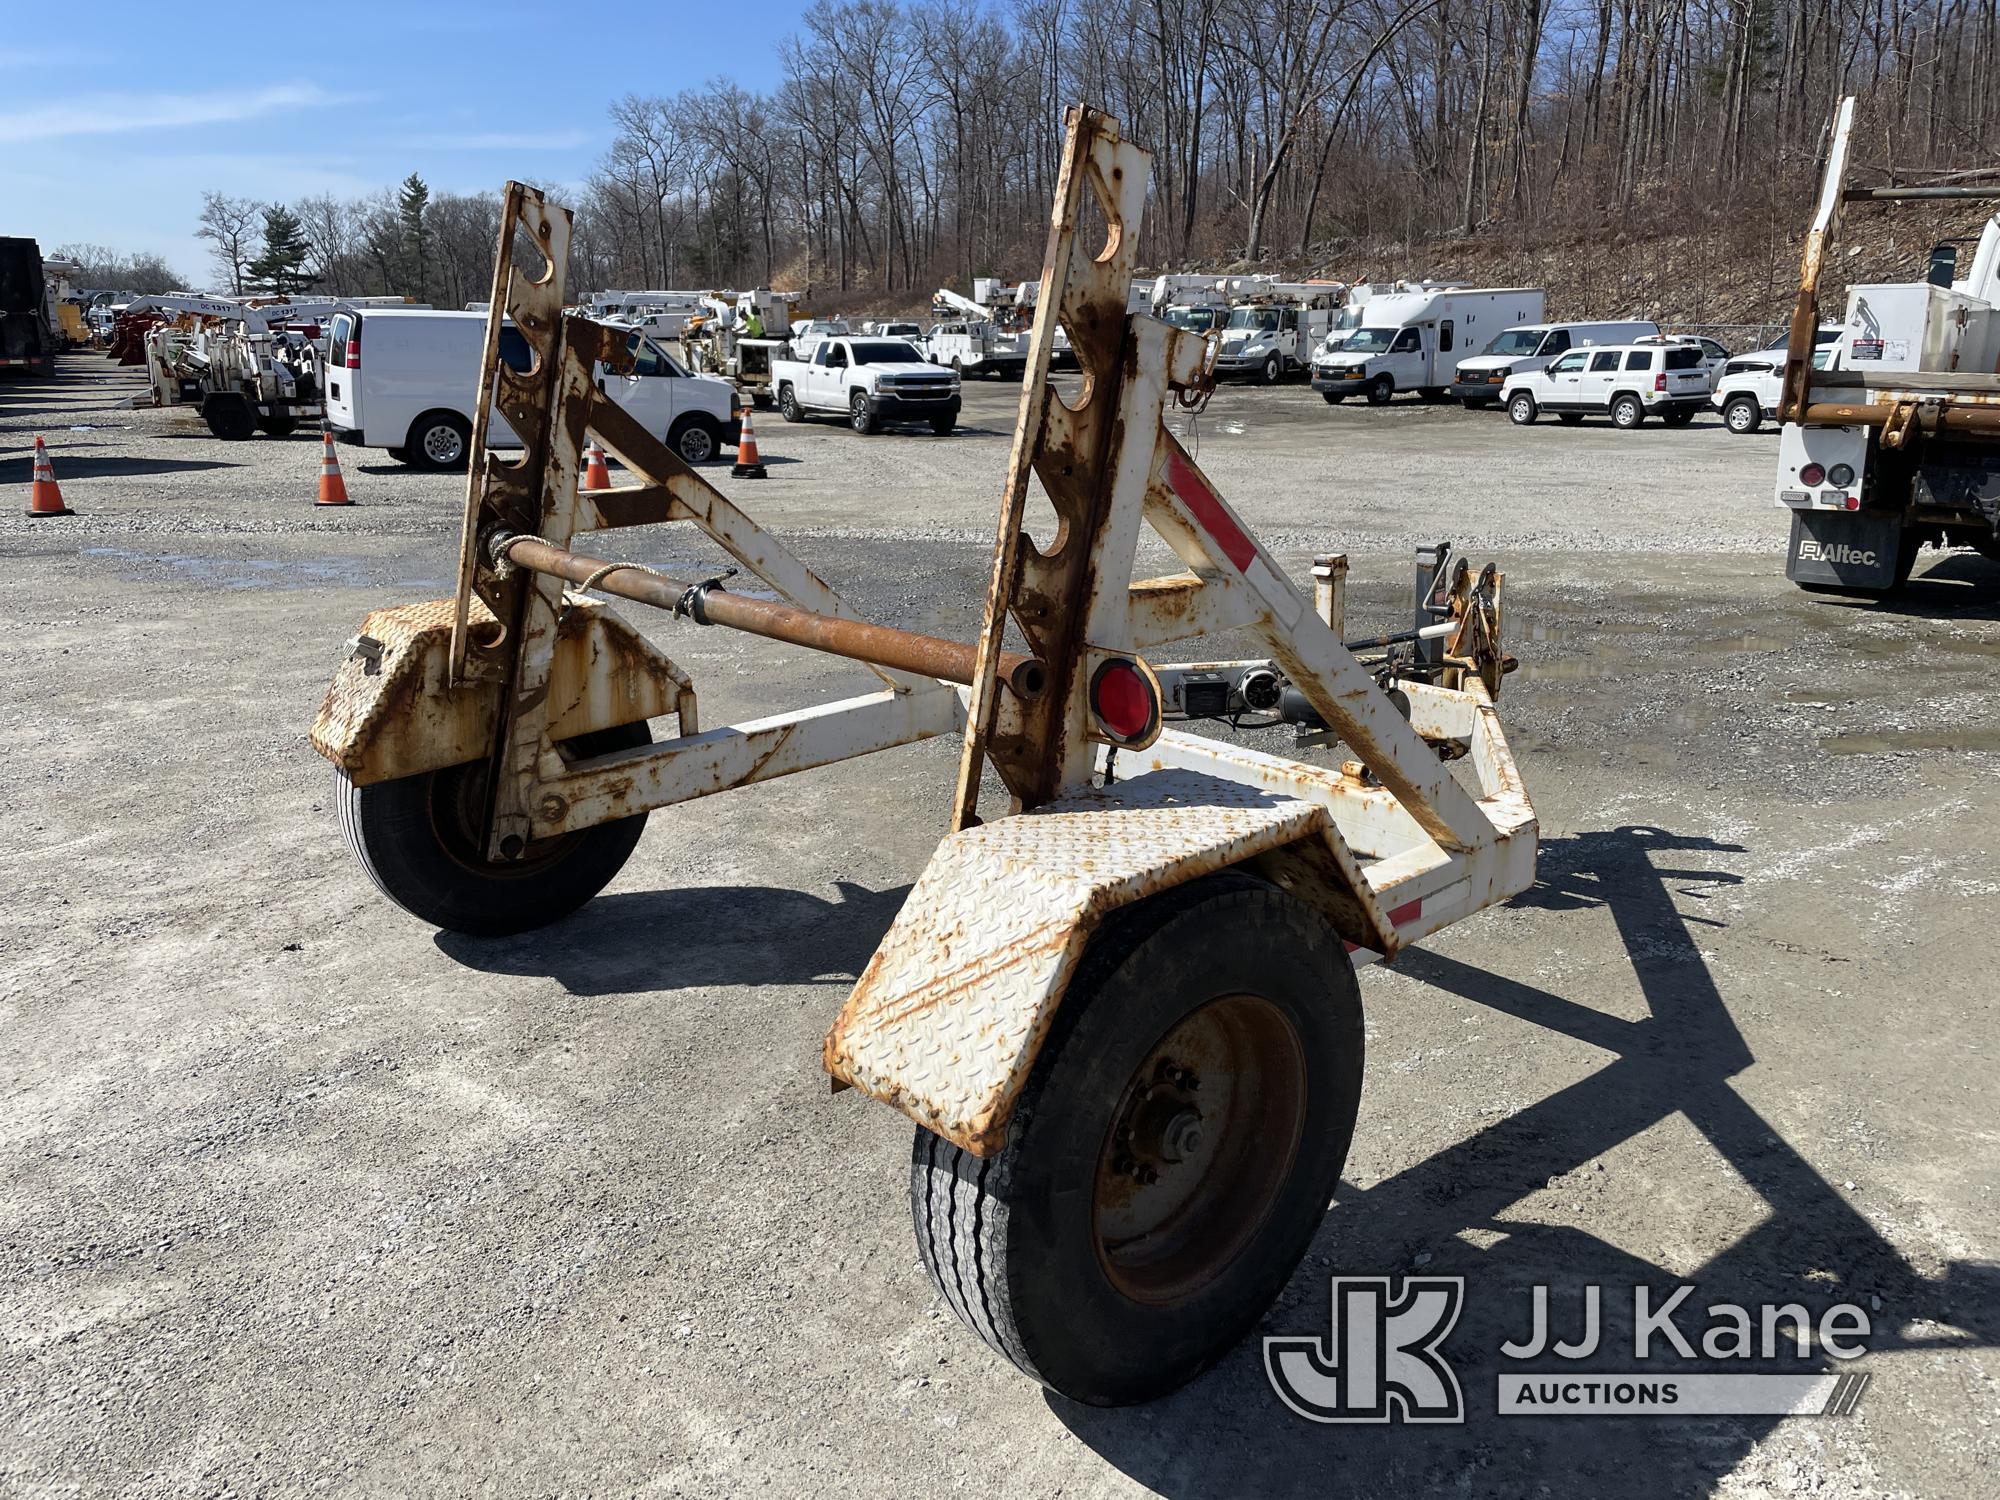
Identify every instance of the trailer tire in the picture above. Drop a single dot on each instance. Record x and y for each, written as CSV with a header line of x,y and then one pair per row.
x,y
788,404
410,836
1521,409
1627,411
695,438
1743,415
1380,389
440,441
230,418
1057,1251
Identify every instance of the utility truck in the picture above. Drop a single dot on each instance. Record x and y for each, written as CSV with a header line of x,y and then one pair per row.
x,y
1413,341
1273,327
1894,441
869,382
1190,302
739,339
244,368
975,339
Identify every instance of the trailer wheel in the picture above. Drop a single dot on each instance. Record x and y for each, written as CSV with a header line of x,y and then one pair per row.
x,y
229,418
788,404
1521,409
1627,412
1743,415
1380,389
413,837
1173,1151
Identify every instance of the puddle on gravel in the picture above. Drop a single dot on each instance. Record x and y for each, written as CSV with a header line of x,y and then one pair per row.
x,y
270,573
1889,741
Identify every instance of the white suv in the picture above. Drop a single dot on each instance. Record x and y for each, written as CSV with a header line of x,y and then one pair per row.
x,y
1629,382
1747,390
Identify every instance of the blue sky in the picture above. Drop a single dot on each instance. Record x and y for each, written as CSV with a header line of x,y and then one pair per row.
x,y
110,131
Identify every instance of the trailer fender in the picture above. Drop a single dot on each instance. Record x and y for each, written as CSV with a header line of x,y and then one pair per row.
x,y
947,1019
392,710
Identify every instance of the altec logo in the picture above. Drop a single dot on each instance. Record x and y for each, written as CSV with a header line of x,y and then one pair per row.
x,y
1836,552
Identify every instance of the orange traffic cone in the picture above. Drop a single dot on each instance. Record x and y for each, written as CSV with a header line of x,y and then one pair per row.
x,y
332,488
44,494
595,475
748,464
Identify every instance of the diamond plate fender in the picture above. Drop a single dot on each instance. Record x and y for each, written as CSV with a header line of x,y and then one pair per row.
x,y
391,710
946,1021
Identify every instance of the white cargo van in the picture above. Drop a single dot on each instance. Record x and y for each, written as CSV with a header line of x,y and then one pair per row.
x,y
1534,346
1413,341
407,381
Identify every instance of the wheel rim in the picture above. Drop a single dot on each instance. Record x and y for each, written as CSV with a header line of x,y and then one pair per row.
x,y
857,413
697,445
442,444
1521,410
1624,414
1199,1149
1739,418
457,807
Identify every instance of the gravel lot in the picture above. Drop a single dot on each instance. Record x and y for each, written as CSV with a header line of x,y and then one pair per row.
x,y
303,1197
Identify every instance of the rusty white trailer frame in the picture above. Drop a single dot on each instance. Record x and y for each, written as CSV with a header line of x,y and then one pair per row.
x,y
1116,826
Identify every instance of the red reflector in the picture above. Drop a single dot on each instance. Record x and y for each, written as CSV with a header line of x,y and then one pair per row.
x,y
1812,474
1122,699
1853,502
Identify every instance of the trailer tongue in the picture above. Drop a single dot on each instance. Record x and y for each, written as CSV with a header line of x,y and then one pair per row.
x,y
1122,1012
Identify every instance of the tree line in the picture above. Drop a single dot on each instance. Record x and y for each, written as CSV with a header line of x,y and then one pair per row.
x,y
912,144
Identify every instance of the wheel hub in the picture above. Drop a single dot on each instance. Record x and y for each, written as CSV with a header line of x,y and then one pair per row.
x,y
1199,1148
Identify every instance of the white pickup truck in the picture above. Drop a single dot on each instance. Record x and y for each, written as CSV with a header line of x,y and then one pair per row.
x,y
869,381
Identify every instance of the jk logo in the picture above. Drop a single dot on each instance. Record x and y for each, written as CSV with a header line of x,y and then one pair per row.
x,y
1380,1362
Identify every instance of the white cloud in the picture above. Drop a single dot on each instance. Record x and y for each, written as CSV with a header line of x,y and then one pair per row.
x,y
124,114
500,140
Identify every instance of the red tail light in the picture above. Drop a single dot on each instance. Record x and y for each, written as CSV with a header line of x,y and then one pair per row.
x,y
353,358
1812,474
1660,381
1125,702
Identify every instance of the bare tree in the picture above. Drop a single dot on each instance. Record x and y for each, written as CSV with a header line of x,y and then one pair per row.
x,y
231,225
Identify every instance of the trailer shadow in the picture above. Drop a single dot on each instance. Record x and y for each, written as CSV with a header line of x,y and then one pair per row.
x,y
1458,1213
723,936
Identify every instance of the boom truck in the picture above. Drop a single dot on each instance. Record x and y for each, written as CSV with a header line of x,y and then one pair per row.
x,y
1274,326
1894,441
244,368
718,341
974,338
